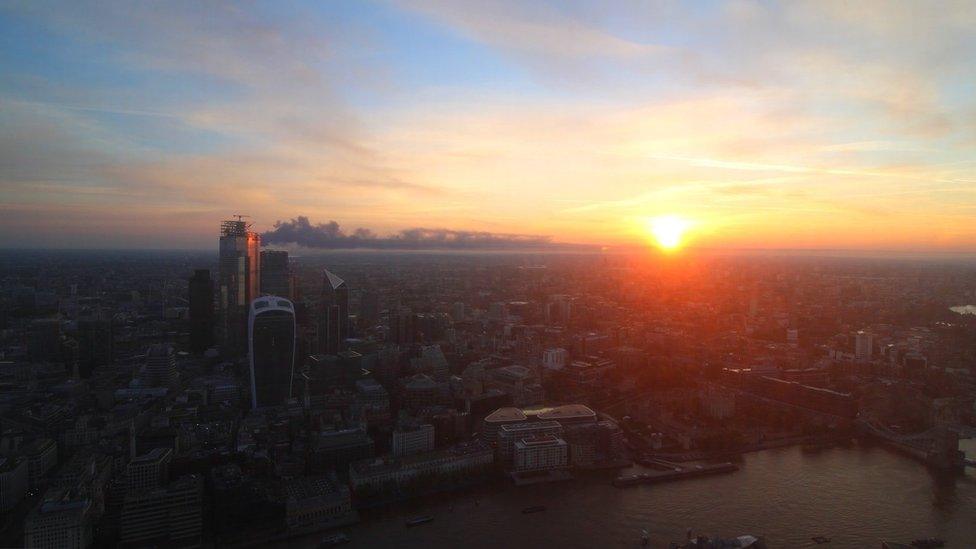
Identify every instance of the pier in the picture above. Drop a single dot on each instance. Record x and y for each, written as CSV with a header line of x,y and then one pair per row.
x,y
675,473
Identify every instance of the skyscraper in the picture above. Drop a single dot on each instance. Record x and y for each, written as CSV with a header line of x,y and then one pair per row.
x,y
863,345
275,274
271,329
160,367
333,313
240,281
201,311
95,341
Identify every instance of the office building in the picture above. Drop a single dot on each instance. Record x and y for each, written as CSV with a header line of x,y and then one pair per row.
x,y
42,456
160,367
335,450
201,311
519,382
271,329
333,324
14,479
413,438
863,345
540,453
170,515
402,328
239,282
276,274
510,434
555,358
458,313
317,503
148,471
63,520
464,460
96,342
595,444
44,340
432,362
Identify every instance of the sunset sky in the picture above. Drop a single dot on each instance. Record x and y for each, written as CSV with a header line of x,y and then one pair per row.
x,y
764,125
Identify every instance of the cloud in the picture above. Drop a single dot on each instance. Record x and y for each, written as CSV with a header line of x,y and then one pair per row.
x,y
528,118
532,28
329,235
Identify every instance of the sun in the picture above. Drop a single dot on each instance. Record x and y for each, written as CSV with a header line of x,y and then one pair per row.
x,y
668,231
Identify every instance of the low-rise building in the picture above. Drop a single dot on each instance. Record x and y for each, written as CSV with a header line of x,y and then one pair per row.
x,y
509,435
464,460
63,520
540,453
14,479
413,438
317,503
170,515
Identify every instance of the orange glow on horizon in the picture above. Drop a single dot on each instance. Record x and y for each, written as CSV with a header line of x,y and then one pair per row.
x,y
668,231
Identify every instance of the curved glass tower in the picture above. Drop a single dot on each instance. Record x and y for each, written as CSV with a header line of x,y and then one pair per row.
x,y
271,346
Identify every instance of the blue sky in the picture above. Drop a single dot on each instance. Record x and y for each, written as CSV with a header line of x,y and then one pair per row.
x,y
762,124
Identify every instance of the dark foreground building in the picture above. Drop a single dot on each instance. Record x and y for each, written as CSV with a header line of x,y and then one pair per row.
x,y
201,311
271,338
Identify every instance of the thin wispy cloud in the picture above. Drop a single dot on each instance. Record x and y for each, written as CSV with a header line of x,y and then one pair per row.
x,y
571,120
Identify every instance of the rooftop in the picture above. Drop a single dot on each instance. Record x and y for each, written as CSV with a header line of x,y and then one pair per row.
x,y
333,279
505,415
567,411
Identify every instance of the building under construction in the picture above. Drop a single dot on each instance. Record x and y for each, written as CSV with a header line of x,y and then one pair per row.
x,y
238,283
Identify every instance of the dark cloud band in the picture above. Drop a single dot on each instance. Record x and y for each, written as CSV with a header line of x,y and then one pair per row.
x,y
329,235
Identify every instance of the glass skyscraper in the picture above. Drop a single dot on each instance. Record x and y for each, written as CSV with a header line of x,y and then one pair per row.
x,y
275,274
333,325
239,282
271,338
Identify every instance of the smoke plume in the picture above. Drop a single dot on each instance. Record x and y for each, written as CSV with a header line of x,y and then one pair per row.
x,y
329,235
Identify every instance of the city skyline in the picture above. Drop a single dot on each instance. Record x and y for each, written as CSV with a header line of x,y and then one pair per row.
x,y
760,126
454,273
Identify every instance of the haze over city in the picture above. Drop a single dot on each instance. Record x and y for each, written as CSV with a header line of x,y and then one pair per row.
x,y
488,274
802,125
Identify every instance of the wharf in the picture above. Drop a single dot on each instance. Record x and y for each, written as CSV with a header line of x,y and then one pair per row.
x,y
676,473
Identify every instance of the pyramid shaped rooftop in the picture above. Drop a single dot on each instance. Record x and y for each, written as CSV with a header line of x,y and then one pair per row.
x,y
334,279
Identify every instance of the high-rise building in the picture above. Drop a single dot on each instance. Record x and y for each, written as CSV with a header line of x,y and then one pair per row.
x,y
275,274
863,345
96,340
201,311
148,471
271,330
369,306
44,340
14,480
160,367
333,314
402,327
555,358
458,311
239,282
432,362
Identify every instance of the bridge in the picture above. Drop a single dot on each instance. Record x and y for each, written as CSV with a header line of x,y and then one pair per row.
x,y
938,446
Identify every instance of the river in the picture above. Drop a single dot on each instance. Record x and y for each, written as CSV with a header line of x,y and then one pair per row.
x,y
857,495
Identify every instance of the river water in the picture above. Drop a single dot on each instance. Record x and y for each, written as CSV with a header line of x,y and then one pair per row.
x,y
857,495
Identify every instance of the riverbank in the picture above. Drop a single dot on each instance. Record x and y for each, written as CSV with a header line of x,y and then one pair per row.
x,y
857,495
684,457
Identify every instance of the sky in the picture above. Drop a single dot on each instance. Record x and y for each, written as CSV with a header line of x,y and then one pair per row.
x,y
801,125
